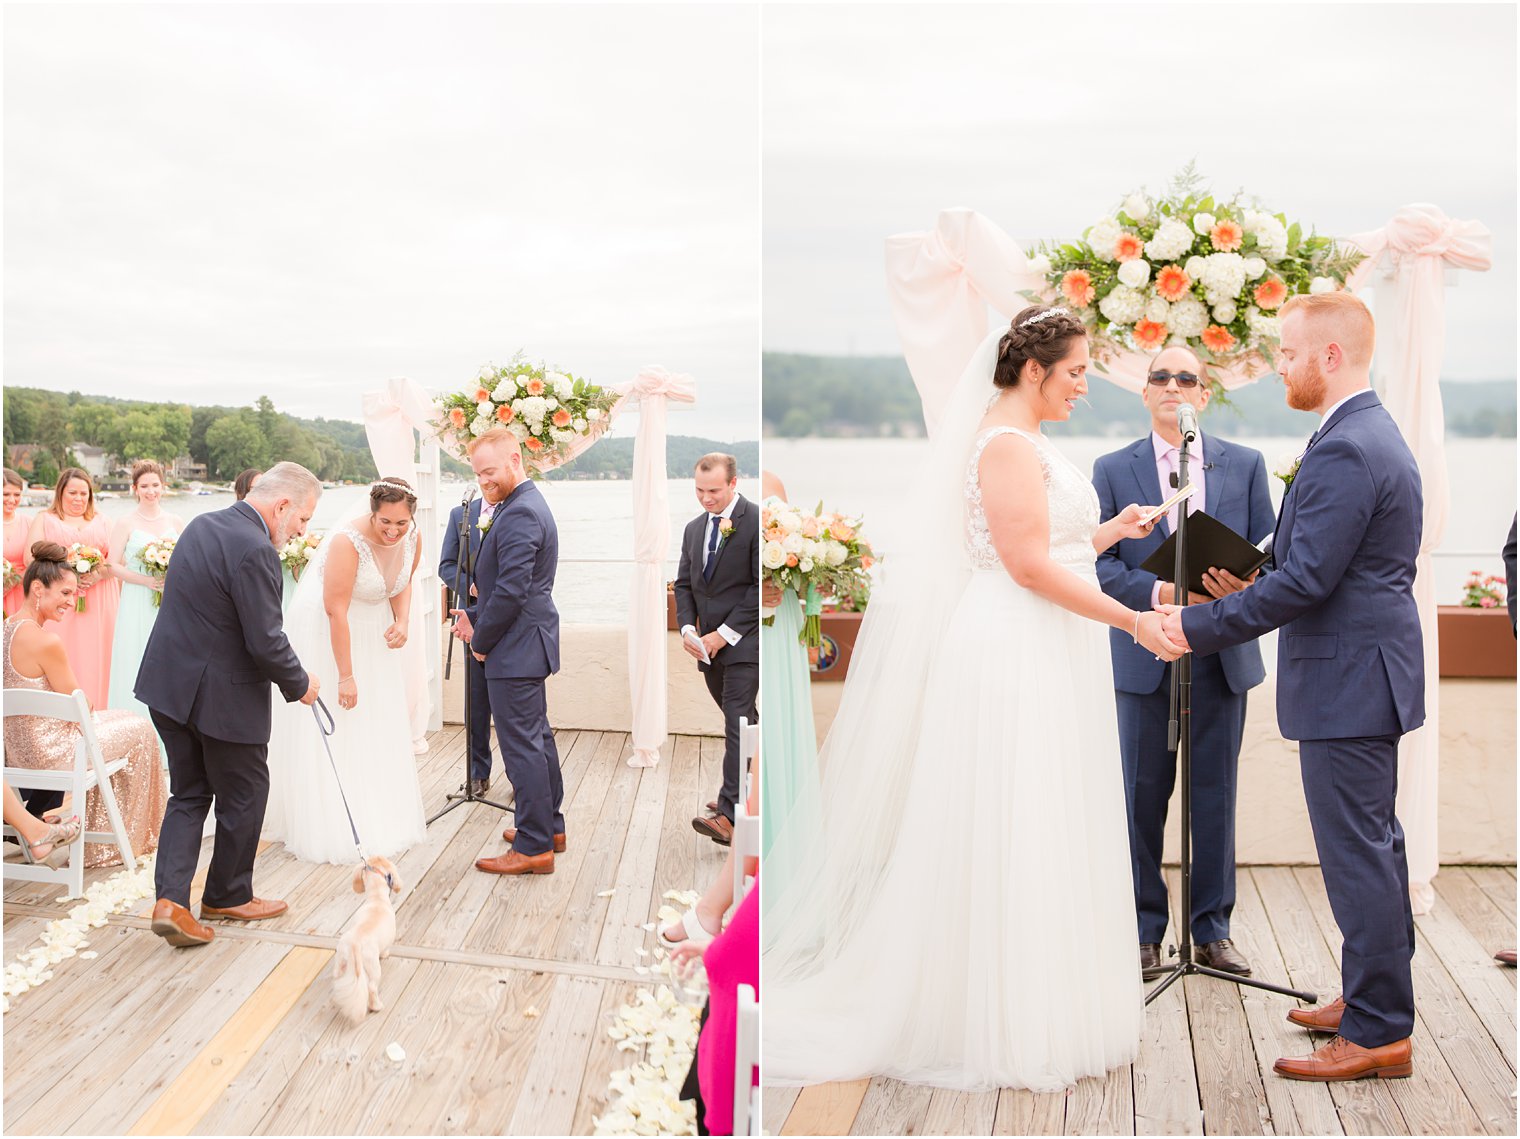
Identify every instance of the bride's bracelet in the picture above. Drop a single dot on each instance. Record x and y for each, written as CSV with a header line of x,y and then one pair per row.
x,y
1136,633
345,679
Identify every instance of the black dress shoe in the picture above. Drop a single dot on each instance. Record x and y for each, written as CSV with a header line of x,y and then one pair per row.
x,y
1150,961
478,787
1222,955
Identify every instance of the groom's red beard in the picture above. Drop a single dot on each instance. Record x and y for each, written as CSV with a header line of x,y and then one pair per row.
x,y
1307,391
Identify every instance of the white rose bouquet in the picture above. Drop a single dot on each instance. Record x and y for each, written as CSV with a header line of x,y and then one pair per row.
x,y
1189,269
154,560
296,552
84,559
814,553
546,410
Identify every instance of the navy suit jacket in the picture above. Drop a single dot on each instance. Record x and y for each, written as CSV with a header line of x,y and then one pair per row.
x,y
219,640
448,558
1235,493
516,626
1351,659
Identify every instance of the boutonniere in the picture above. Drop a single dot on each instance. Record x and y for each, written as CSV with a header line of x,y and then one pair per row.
x,y
725,528
484,525
1287,469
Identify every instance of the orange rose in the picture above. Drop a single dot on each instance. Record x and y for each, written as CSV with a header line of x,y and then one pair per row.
x,y
504,413
535,387
810,527
562,418
791,559
1271,293
841,531
1128,247
1226,236
774,533
1172,283
482,395
1217,338
533,444
457,417
1149,333
1077,287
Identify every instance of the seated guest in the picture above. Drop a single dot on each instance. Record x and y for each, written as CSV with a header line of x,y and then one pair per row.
x,y
35,658
40,839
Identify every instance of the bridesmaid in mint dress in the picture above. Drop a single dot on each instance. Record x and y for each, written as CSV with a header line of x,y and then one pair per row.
x,y
86,636
137,611
789,789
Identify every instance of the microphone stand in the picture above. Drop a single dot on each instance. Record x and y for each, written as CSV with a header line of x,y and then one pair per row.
x,y
466,793
1180,740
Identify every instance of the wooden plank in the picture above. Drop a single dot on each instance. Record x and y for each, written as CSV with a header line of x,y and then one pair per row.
x,y
494,1072
1023,1112
1498,882
629,906
1165,1082
201,1083
826,1109
775,1106
1102,1106
602,1060
603,804
891,1107
960,1113
676,862
1475,909
1490,994
547,1105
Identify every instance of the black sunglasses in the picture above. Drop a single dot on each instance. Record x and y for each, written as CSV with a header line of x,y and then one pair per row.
x,y
1184,379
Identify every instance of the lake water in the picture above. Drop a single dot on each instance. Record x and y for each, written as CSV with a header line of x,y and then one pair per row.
x,y
595,519
871,476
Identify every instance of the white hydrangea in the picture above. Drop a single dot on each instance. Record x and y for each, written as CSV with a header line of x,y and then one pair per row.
x,y
1223,276
480,426
1203,223
518,429
1040,264
562,435
1271,235
1135,273
1102,236
1157,309
1262,326
1171,241
1224,312
533,409
1188,317
1323,285
1255,267
1137,207
560,384
505,390
579,424
593,414
550,402
1123,305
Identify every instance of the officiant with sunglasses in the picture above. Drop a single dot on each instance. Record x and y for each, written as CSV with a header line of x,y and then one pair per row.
x,y
1232,488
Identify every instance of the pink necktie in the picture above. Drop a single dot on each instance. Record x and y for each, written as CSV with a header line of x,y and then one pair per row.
x,y
1166,491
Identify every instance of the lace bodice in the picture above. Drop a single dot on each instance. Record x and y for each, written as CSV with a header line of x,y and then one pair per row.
x,y
1070,497
370,585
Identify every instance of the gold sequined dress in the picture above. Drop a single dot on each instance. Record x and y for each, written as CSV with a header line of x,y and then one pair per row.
x,y
38,742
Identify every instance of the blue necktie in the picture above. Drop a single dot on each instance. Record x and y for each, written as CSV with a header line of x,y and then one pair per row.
x,y
712,550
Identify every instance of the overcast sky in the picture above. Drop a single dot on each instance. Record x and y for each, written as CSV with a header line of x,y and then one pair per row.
x,y
209,203
1043,116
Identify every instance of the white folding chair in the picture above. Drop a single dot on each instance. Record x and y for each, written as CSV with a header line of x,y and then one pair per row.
x,y
746,1060
746,844
749,748
91,770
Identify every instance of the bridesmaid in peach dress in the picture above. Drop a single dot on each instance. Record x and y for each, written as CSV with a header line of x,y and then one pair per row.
x,y
86,636
34,657
16,527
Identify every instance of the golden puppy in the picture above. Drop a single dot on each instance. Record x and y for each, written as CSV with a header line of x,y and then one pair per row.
x,y
356,967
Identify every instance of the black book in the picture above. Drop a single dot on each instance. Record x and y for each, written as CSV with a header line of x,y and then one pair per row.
x,y
1210,543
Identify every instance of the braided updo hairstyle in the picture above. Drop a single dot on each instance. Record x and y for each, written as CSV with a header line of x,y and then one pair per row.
x,y
1047,341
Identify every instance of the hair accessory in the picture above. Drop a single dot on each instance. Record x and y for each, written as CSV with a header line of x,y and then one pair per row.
x,y
401,486
1046,315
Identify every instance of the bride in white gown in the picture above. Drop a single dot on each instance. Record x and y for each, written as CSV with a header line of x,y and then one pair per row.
x,y
347,621
969,918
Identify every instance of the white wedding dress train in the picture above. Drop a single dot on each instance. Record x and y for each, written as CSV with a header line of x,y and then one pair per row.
x,y
996,948
371,742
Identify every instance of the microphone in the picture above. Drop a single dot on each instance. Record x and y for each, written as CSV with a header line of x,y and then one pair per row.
x,y
468,496
1187,421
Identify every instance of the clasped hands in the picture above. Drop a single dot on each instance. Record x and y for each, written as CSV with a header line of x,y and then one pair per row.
x,y
1219,582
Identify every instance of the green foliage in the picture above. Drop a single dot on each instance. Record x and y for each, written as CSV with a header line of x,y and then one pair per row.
x,y
613,458
234,443
838,395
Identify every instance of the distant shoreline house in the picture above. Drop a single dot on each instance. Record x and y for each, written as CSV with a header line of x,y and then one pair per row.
x,y
94,461
187,468
22,457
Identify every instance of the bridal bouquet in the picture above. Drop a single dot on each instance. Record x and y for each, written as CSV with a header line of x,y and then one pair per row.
x,y
548,411
296,552
814,553
1190,269
154,560
84,559
12,574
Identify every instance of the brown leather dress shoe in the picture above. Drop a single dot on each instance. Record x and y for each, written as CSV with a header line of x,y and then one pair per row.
x,y
174,923
510,834
1326,1018
255,909
514,863
1222,955
715,827
1505,957
1339,1059
1150,961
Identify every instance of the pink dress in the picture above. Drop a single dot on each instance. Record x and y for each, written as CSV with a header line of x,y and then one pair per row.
x,y
733,959
15,543
87,636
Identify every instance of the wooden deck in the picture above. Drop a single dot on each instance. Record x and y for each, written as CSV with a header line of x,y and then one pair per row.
x,y
1205,1062
500,990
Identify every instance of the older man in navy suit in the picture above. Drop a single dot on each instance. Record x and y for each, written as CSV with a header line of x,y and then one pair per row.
x,y
1350,671
1233,483
513,629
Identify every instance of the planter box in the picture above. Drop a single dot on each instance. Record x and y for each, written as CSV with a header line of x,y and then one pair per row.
x,y
839,633
1475,642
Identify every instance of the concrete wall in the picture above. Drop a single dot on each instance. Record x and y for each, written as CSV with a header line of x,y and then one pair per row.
x,y
1477,788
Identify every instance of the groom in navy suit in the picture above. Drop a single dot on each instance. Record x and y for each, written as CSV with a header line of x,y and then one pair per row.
x,y
1350,673
1232,481
452,573
513,629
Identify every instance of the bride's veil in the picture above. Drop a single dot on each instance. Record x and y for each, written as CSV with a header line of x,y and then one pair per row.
x,y
834,868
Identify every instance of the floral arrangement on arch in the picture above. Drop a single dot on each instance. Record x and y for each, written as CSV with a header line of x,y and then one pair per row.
x,y
1186,268
548,411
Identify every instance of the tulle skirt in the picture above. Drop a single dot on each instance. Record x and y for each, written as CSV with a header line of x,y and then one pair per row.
x,y
371,745
998,947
